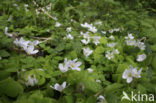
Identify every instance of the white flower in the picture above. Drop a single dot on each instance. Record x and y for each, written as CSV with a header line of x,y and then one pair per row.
x,y
84,41
86,37
116,51
65,67
93,29
87,51
26,7
130,37
98,81
70,64
74,65
141,45
57,24
37,12
30,50
59,87
6,32
109,55
100,98
69,29
96,39
28,46
10,18
141,57
128,74
0,58
137,73
112,37
55,18
86,25
90,70
21,42
31,80
104,32
111,45
111,31
41,69
69,36
90,27
131,73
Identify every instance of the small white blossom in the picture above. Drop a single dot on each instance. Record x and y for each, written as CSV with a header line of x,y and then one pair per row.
x,y
59,87
32,80
70,64
93,29
55,18
111,45
85,41
128,75
69,36
131,73
116,51
30,50
96,39
90,70
57,24
87,51
86,37
65,67
98,81
28,46
112,37
111,31
141,45
0,58
130,40
21,42
74,65
90,27
37,12
129,37
100,99
10,18
69,29
86,25
109,55
26,7
141,57
137,73
6,32
16,5
104,32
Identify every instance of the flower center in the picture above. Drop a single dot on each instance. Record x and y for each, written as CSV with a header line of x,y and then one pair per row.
x,y
129,74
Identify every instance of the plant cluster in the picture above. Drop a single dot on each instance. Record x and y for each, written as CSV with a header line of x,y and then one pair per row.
x,y
69,51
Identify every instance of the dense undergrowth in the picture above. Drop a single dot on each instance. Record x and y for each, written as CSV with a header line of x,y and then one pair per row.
x,y
76,51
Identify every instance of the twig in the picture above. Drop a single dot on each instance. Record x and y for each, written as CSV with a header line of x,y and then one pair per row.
x,y
99,93
45,12
144,39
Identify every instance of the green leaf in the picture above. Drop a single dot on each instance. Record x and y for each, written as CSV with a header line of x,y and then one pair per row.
x,y
113,87
4,53
10,87
4,74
